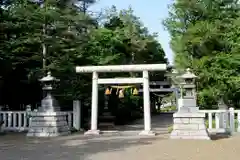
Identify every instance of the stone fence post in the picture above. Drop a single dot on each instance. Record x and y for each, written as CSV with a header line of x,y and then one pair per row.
x,y
238,119
77,114
231,120
28,114
223,116
180,103
223,119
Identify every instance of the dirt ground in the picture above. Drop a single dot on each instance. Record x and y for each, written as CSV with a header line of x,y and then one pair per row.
x,y
119,147
166,149
79,147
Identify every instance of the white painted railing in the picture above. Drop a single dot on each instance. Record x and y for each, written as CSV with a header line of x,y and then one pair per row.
x,y
223,120
18,121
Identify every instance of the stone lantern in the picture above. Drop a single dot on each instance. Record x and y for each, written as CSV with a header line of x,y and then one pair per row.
x,y
49,103
189,97
48,121
189,123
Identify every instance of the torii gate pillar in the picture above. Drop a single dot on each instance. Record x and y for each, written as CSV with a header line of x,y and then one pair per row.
x,y
144,68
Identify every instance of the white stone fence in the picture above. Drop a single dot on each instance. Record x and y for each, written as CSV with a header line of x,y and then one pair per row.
x,y
217,120
19,121
223,120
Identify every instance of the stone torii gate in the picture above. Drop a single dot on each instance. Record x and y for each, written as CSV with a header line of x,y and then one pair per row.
x,y
144,68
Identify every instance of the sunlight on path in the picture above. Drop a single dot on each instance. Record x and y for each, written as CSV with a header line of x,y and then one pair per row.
x,y
178,150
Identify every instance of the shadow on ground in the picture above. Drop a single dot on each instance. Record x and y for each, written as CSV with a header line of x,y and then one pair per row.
x,y
74,147
218,136
78,147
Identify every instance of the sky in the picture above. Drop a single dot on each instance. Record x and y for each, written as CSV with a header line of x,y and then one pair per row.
x,y
151,14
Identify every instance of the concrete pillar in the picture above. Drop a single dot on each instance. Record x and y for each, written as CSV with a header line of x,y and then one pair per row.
x,y
77,114
146,101
94,107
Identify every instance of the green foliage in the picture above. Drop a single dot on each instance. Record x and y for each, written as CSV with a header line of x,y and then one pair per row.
x,y
205,37
170,129
72,37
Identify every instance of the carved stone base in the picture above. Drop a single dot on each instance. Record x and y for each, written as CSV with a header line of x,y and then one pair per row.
x,y
189,126
92,132
48,124
147,133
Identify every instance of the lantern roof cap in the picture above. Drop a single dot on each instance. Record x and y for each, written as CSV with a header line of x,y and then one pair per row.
x,y
188,74
48,78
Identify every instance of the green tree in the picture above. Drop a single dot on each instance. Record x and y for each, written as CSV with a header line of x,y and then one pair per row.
x,y
70,37
134,44
23,39
204,38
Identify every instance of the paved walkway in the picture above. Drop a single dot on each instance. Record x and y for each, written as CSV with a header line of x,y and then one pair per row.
x,y
132,147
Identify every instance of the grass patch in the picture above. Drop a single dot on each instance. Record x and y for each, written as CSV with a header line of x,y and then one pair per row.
x,y
170,129
168,109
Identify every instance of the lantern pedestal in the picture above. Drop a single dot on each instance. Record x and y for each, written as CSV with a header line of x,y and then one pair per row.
x,y
189,126
48,124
